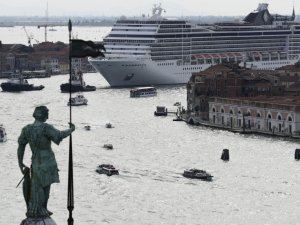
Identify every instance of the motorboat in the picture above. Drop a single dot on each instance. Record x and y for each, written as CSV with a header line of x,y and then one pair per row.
x,y
78,100
3,137
108,146
109,125
77,84
197,174
161,111
107,169
17,83
143,92
87,127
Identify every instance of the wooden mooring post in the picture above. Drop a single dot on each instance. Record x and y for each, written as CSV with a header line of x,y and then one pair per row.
x,y
225,155
297,154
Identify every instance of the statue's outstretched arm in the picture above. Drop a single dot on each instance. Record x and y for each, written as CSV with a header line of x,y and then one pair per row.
x,y
66,133
56,135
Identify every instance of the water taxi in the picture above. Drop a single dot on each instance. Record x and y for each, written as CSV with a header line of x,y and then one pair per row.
x,y
107,169
143,92
197,174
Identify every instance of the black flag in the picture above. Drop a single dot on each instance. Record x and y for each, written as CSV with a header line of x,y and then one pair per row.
x,y
80,49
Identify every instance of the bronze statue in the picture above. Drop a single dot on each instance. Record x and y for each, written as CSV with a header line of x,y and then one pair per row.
x,y
43,171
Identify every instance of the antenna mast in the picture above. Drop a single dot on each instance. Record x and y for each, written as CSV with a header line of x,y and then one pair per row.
x,y
46,23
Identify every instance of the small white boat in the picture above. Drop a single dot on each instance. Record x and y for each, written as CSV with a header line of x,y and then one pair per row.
x,y
143,92
2,134
78,100
197,174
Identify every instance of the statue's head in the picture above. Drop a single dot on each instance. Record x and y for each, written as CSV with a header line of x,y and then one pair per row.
x,y
41,113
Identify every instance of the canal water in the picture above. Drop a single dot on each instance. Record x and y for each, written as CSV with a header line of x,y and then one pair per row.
x,y
259,185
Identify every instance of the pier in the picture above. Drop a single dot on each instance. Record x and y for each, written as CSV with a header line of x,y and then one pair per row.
x,y
242,130
164,111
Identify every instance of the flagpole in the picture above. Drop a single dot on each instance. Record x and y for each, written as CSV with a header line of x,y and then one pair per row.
x,y
70,204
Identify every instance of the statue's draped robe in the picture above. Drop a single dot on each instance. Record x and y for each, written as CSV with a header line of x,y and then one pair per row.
x,y
44,169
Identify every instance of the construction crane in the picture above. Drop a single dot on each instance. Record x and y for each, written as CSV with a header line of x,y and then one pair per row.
x,y
29,37
45,27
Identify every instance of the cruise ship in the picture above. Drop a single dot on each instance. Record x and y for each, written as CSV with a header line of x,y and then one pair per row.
x,y
156,50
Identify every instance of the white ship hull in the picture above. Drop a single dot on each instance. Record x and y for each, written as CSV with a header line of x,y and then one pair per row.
x,y
144,72
122,73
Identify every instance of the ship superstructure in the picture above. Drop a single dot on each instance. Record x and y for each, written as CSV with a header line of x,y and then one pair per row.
x,y
155,50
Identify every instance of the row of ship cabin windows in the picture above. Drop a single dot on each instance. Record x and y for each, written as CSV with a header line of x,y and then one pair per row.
x,y
123,53
217,61
152,30
274,63
134,65
126,41
165,64
235,42
279,117
192,68
269,68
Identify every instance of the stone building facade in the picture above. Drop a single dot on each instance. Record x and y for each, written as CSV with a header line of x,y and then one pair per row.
x,y
245,100
267,115
48,56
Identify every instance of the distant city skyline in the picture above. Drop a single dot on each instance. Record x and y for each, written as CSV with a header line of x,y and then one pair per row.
x,y
174,8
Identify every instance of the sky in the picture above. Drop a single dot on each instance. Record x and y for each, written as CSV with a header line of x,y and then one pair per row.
x,y
174,8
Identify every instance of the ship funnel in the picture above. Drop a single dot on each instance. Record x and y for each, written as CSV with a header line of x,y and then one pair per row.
x,y
262,6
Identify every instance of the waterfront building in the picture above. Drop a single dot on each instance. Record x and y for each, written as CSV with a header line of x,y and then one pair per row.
x,y
51,65
64,67
229,80
48,56
272,115
238,99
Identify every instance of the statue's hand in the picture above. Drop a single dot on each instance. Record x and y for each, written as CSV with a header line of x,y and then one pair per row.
x,y
72,126
24,168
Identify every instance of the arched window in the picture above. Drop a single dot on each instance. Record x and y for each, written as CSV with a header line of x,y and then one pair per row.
x,y
240,112
214,110
222,110
258,114
279,117
269,116
231,112
290,119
